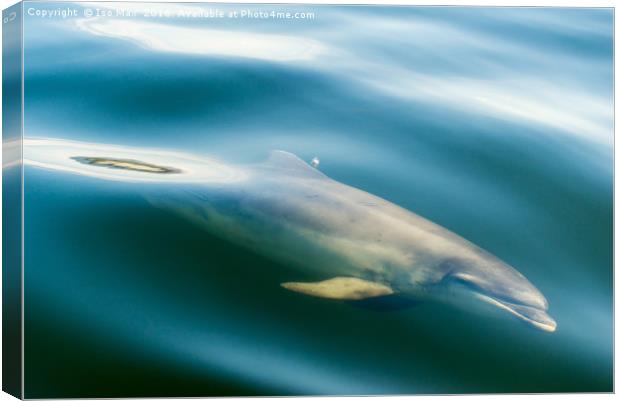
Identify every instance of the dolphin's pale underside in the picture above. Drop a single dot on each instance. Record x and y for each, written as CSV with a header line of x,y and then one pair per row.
x,y
353,244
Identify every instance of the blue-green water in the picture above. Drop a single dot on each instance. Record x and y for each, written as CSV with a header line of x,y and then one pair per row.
x,y
496,123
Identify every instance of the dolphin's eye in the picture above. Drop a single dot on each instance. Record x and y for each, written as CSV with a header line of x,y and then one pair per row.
x,y
494,290
451,278
461,279
450,269
465,280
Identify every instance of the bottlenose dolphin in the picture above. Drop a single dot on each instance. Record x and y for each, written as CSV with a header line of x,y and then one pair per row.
x,y
354,245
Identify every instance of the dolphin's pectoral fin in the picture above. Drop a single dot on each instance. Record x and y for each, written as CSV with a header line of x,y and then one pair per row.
x,y
344,288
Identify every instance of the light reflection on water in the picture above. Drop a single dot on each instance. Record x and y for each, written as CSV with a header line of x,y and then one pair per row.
x,y
495,123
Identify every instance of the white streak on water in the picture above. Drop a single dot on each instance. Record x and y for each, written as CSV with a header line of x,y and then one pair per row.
x,y
204,41
57,154
524,101
481,74
435,60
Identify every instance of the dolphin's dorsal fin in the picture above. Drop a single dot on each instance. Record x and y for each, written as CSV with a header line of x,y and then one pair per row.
x,y
344,288
286,161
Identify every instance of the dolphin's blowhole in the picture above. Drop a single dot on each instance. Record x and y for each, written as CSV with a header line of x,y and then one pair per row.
x,y
126,164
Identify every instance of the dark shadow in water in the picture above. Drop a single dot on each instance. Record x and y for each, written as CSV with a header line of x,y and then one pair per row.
x,y
386,303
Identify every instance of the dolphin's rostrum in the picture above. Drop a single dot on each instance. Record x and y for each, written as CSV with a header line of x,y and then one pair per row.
x,y
355,244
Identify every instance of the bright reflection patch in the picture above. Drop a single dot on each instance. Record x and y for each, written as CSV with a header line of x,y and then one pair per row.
x,y
201,41
121,163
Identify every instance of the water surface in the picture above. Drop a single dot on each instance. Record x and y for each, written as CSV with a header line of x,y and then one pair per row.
x,y
496,123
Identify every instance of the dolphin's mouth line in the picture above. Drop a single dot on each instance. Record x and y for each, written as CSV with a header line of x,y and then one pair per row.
x,y
530,314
